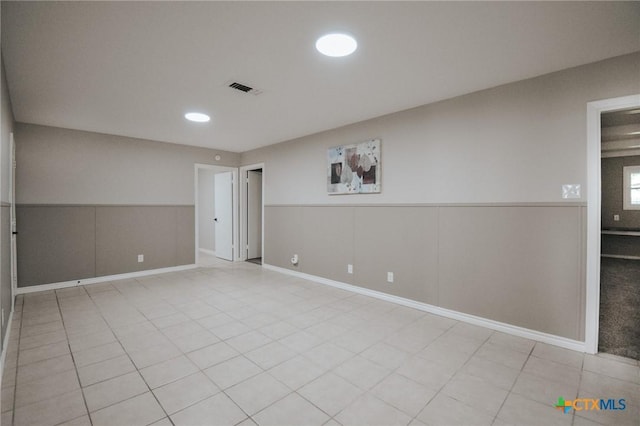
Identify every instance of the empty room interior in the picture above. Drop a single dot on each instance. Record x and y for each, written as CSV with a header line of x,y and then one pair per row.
x,y
320,213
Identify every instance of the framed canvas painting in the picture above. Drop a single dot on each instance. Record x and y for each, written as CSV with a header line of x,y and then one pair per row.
x,y
354,169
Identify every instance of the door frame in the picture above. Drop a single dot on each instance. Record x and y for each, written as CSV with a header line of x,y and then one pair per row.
x,y
594,205
244,207
234,178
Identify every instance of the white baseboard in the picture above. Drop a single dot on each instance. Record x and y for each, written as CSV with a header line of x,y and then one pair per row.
x,y
96,280
207,251
5,345
448,313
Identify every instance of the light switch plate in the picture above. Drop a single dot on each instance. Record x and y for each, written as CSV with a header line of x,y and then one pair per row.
x,y
571,190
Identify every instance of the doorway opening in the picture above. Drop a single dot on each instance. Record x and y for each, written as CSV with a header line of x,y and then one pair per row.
x,y
595,110
252,217
216,207
619,331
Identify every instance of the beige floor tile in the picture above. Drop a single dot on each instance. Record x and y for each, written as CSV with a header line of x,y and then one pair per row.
x,y
140,410
229,330
170,320
404,394
356,341
361,372
270,355
46,388
136,342
369,410
109,392
328,355
41,329
42,369
542,390
476,393
330,393
501,355
59,409
296,372
552,370
43,339
104,370
168,371
257,393
215,320
78,421
42,353
81,342
292,410
518,410
301,341
386,355
219,407
612,368
446,411
559,355
248,341
232,372
162,422
496,374
6,397
98,354
212,355
184,392
428,373
194,341
152,355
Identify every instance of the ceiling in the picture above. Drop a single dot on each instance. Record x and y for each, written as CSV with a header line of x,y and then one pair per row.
x,y
135,68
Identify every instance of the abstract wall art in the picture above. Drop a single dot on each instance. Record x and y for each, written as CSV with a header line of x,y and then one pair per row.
x,y
354,169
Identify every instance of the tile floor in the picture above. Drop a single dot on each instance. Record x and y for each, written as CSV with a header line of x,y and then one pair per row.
x,y
233,344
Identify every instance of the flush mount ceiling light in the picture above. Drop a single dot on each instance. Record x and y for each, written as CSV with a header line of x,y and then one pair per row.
x,y
336,45
197,117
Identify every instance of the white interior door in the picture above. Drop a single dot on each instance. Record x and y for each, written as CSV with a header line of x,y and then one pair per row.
x,y
223,207
254,214
14,231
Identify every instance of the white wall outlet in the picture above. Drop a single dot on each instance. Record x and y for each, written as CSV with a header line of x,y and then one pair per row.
x,y
140,258
295,259
349,269
571,191
389,277
616,217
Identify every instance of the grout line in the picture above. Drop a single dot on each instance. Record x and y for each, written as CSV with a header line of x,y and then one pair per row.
x,y
72,358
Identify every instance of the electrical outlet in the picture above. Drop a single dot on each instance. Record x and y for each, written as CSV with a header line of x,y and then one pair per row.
x,y
140,258
616,217
389,277
349,269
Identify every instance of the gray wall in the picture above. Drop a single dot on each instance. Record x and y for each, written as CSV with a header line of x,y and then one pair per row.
x,y
514,143
6,124
612,194
519,264
61,166
206,225
89,203
494,237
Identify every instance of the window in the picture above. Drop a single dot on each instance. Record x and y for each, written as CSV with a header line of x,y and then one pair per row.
x,y
631,186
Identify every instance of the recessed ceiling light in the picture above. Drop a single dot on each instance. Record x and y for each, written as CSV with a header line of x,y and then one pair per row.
x,y
633,133
336,45
634,111
198,117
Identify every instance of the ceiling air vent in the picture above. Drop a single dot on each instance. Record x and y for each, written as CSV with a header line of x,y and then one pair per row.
x,y
243,88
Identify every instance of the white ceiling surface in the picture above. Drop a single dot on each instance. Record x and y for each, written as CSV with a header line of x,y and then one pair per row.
x,y
134,69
